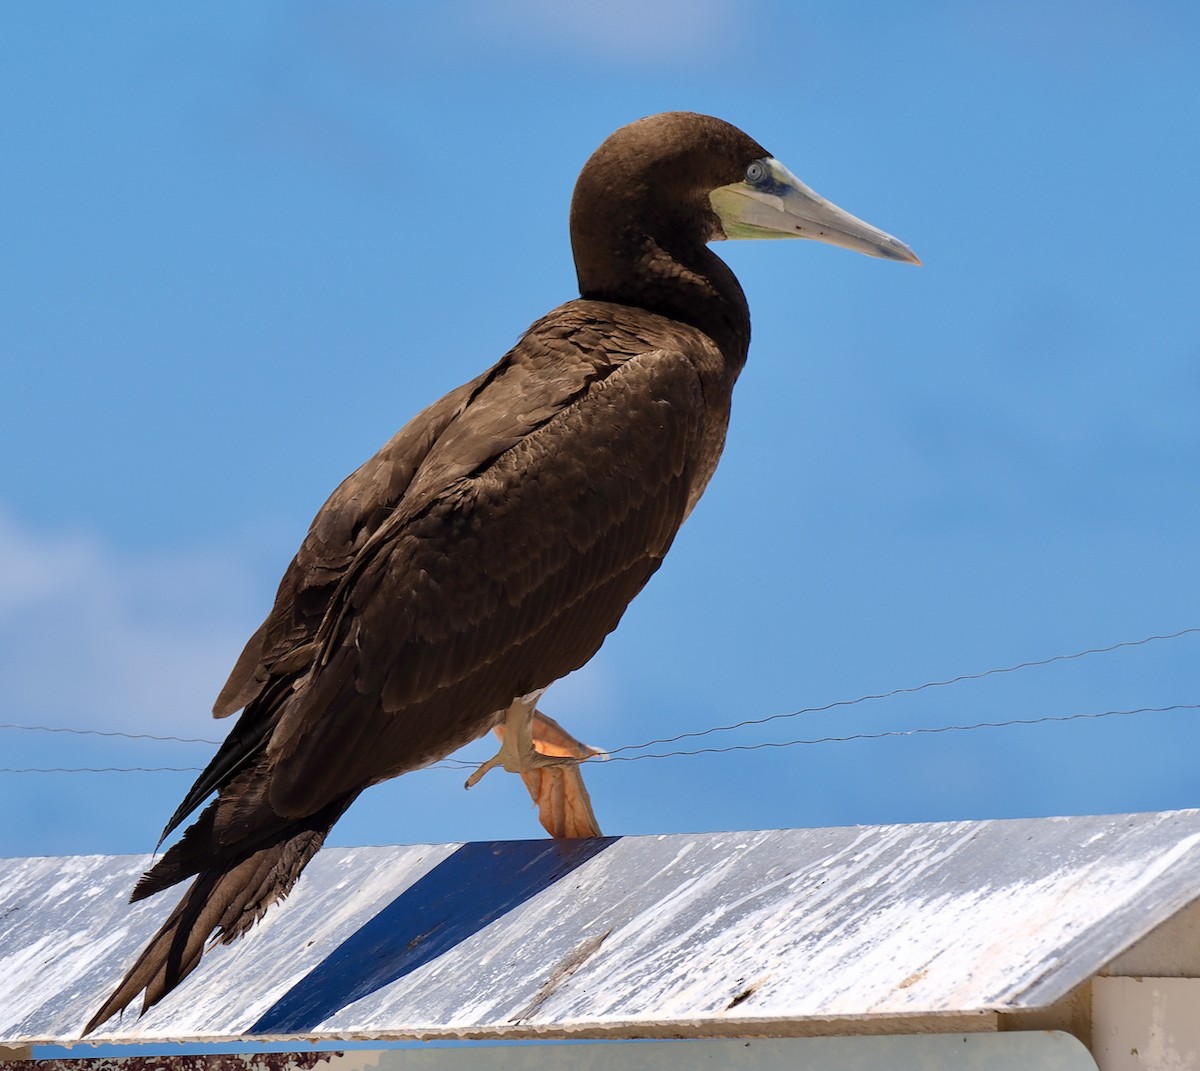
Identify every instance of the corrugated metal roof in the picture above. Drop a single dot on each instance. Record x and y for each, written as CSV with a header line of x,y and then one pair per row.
x,y
719,933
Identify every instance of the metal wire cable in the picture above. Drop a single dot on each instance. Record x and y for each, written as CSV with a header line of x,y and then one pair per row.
x,y
923,731
101,769
904,691
448,764
463,764
700,732
107,732
615,755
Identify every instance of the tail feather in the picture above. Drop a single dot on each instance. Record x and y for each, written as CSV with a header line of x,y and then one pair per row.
x,y
224,901
189,856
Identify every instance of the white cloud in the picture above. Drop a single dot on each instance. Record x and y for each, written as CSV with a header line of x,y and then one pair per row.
x,y
91,637
32,571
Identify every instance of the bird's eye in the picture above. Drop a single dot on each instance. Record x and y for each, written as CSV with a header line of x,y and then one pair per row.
x,y
757,173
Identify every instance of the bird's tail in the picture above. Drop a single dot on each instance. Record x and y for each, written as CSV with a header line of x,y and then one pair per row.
x,y
224,901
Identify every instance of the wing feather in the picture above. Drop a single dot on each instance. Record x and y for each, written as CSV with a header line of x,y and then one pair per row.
x,y
483,553
506,581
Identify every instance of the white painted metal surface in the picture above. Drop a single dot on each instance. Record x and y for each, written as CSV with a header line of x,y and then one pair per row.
x,y
1040,1051
734,934
1146,1024
1043,1051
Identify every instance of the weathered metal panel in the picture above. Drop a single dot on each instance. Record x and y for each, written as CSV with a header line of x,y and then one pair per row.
x,y
68,932
1146,1024
1042,1051
722,934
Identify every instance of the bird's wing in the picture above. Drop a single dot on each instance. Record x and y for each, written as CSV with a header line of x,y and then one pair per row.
x,y
413,616
539,513
281,649
341,528
459,434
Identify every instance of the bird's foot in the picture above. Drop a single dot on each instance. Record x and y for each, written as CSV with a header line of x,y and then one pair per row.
x,y
531,742
517,752
547,757
553,742
562,801
557,789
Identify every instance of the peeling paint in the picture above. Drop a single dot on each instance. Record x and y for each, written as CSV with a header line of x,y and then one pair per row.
x,y
714,933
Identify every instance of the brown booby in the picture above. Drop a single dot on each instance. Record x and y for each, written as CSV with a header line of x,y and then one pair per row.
x,y
489,548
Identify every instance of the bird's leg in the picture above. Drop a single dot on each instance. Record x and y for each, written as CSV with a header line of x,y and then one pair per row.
x,y
531,740
517,752
547,757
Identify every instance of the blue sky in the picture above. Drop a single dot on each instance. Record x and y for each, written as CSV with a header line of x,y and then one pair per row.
x,y
243,243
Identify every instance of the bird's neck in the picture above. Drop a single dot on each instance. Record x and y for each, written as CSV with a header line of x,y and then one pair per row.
x,y
688,283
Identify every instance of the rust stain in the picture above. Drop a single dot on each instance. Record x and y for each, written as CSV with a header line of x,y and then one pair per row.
x,y
745,994
748,990
571,962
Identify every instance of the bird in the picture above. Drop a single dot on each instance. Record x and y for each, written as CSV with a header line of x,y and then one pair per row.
x,y
493,543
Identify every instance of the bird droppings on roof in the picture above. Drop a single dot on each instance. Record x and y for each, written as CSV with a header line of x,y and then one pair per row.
x,y
717,933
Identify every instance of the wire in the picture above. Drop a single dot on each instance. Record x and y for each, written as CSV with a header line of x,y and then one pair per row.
x,y
463,764
616,755
107,732
909,732
904,691
447,764
101,769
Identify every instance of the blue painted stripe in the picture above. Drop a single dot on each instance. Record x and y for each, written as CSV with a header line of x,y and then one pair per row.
x,y
464,893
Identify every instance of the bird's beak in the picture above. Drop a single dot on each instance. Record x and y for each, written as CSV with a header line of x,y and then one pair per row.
x,y
781,206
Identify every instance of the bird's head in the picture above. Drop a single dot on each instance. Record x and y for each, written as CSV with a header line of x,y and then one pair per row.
x,y
694,178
